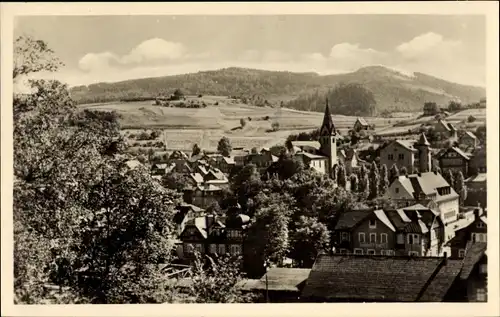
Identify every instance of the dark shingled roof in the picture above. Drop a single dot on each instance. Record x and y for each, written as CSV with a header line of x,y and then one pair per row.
x,y
349,219
381,278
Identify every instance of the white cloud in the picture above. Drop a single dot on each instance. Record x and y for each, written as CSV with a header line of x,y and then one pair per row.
x,y
425,44
93,61
154,49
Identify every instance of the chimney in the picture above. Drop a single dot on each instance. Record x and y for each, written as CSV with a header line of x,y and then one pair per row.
x,y
445,258
209,220
477,213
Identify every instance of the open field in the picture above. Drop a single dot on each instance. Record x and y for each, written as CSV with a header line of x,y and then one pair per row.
x,y
184,127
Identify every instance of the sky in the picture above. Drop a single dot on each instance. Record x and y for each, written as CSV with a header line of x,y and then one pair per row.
x,y
115,48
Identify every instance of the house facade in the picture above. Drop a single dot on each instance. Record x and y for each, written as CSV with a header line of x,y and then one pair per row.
x,y
360,124
469,140
409,154
454,159
474,232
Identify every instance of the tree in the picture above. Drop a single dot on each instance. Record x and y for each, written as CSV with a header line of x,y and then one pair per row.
x,y
436,169
431,108
448,176
471,119
175,181
309,238
454,106
196,150
243,122
352,99
354,183
224,147
393,173
92,220
460,188
365,187
275,126
341,176
216,280
178,94
403,171
384,179
374,181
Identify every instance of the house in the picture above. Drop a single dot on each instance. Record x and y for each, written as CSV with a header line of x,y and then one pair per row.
x,y
184,213
454,159
133,164
414,230
473,281
380,278
469,139
316,162
360,124
445,130
204,195
409,154
159,169
476,182
428,189
283,285
474,232
261,160
478,161
351,160
211,235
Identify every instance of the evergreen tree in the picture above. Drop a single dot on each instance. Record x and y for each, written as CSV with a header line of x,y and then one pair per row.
x,y
393,173
341,176
403,171
196,150
224,147
374,184
354,183
448,176
384,179
460,187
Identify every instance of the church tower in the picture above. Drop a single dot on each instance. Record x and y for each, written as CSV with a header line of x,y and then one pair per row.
x,y
424,154
327,139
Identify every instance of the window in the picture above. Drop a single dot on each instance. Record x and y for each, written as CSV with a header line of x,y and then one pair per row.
x,y
343,251
344,236
213,248
413,253
371,252
383,238
396,190
481,295
479,237
235,249
461,253
358,251
390,157
361,236
222,249
199,247
372,223
412,238
188,248
389,252
481,224
382,252
373,238
401,156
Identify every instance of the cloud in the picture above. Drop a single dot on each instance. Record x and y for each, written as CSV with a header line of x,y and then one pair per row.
x,y
155,49
152,50
426,44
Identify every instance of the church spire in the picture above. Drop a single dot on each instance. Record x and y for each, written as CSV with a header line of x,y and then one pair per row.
x,y
327,128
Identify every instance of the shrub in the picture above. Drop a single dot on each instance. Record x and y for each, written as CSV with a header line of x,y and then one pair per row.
x,y
471,119
200,95
216,103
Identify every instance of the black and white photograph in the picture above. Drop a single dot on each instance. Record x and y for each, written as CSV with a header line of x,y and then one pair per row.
x,y
250,158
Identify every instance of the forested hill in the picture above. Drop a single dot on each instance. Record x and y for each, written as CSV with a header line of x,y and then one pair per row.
x,y
392,90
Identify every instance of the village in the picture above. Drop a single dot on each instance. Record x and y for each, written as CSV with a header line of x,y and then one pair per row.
x,y
422,237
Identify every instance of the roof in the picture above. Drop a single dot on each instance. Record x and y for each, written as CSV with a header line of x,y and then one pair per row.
x,y
208,188
426,183
381,278
312,156
228,160
383,217
362,121
133,163
281,279
474,253
460,152
160,166
470,134
197,177
314,144
479,178
349,219
407,144
327,125
423,140
444,124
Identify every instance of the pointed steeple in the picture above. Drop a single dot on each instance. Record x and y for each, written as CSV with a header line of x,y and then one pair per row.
x,y
327,128
423,140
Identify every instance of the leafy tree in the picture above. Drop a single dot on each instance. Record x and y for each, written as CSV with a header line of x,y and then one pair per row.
x,y
178,94
196,150
431,108
471,119
454,106
275,126
243,122
403,171
216,280
83,218
384,179
175,181
287,166
460,187
481,134
224,147
309,238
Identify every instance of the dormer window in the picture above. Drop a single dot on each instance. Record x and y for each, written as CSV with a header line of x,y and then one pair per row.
x,y
481,224
372,223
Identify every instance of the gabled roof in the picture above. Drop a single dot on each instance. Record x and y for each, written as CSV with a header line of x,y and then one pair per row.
x,y
208,188
426,183
228,160
311,156
423,140
133,163
478,178
349,219
444,124
160,166
383,217
407,144
197,177
381,278
361,121
470,134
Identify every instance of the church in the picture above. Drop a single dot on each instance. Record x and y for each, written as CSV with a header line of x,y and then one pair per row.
x,y
320,155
